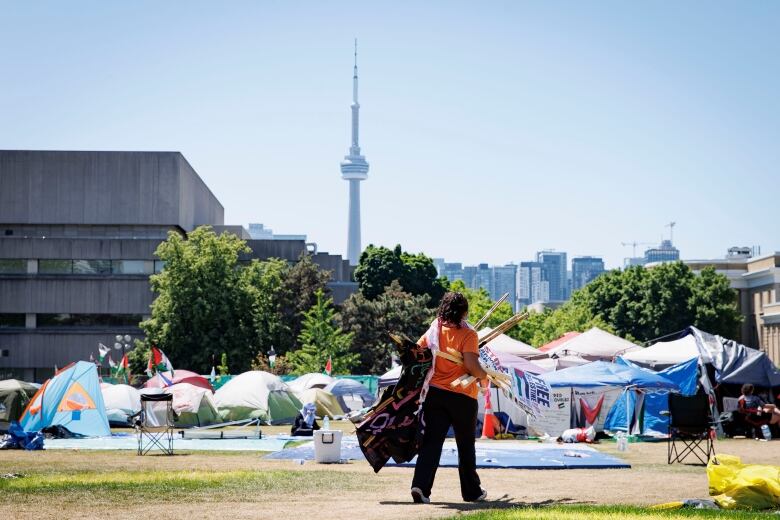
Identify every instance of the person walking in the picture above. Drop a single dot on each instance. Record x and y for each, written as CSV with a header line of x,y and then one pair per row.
x,y
445,406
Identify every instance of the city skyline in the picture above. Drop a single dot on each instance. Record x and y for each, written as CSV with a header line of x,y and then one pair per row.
x,y
576,129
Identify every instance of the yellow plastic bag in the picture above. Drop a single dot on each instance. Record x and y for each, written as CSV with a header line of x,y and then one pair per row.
x,y
734,485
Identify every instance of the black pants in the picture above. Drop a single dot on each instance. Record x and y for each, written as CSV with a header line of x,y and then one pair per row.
x,y
442,409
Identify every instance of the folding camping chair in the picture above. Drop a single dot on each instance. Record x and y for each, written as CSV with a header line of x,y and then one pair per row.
x,y
691,424
150,434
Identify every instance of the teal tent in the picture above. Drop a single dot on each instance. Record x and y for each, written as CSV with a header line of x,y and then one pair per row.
x,y
71,399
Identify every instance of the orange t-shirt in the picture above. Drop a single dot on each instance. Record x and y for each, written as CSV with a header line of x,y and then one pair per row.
x,y
459,339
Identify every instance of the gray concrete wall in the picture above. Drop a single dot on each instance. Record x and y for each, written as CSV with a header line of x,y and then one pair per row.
x,y
78,248
64,187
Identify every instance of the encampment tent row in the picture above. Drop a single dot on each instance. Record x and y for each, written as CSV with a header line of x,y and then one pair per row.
x,y
257,395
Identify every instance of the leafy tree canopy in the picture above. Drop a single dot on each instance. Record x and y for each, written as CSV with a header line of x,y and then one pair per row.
x,y
379,267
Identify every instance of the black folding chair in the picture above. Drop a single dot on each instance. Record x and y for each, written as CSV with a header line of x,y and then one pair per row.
x,y
153,433
691,425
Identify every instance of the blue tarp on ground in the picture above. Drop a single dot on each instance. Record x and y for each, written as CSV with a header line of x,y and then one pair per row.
x,y
602,373
683,375
71,399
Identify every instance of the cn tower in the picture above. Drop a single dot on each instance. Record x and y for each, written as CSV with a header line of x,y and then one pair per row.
x,y
354,169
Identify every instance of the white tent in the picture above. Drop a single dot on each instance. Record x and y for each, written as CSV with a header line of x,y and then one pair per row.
x,y
311,380
559,363
507,345
665,353
259,395
390,377
120,402
594,345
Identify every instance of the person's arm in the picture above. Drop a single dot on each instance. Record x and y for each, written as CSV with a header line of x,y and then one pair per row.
x,y
471,363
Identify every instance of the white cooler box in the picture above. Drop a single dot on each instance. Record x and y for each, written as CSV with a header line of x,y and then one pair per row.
x,y
327,446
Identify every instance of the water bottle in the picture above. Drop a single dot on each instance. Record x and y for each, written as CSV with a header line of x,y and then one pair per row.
x,y
766,432
326,423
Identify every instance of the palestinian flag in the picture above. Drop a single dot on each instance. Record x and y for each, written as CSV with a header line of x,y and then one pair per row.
x,y
123,369
328,366
159,362
111,363
102,351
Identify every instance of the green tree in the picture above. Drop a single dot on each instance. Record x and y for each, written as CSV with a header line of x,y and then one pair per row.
x,y
642,304
321,339
370,321
206,304
300,285
379,267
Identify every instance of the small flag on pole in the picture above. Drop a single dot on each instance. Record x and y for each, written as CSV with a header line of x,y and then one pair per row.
x,y
123,370
329,366
102,351
159,362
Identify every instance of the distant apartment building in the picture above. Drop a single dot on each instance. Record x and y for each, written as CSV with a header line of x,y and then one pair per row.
x,y
531,288
665,252
505,282
554,266
260,232
78,232
496,280
450,270
585,269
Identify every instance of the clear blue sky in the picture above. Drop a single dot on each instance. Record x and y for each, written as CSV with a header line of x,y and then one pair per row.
x,y
493,129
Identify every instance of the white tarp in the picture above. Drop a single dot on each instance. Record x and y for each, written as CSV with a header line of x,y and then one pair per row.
x,y
665,353
120,401
311,380
507,345
594,345
567,410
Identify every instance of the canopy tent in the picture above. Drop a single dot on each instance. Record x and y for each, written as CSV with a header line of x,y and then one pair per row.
x,y
583,395
14,396
733,363
513,361
179,376
504,343
257,395
311,380
326,403
194,406
390,377
71,399
594,345
559,363
645,410
554,343
350,394
121,401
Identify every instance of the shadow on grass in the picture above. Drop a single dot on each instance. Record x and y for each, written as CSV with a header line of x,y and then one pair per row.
x,y
504,502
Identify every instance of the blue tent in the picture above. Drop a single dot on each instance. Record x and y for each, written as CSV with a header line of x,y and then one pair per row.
x,y
602,373
683,375
71,399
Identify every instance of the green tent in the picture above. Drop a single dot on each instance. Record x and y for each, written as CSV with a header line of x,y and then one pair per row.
x,y
257,395
14,396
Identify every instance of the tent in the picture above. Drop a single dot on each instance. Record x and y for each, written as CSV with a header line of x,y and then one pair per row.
x,y
594,345
554,343
121,401
257,394
733,363
71,399
504,343
350,394
513,361
179,376
390,377
647,419
14,396
583,395
194,406
559,363
326,403
311,380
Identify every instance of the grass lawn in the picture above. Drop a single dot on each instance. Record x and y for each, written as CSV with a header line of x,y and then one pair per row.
x,y
605,513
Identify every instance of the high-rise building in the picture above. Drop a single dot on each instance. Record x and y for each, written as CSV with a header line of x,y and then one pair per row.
x,y
505,281
483,278
554,272
665,252
450,270
354,169
585,269
530,286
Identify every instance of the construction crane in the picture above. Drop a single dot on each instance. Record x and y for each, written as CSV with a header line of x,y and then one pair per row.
x,y
671,225
634,244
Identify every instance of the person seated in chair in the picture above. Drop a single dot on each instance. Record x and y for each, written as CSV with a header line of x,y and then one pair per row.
x,y
756,409
305,422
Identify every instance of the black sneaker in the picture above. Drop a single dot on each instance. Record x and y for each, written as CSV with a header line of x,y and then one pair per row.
x,y
419,497
480,498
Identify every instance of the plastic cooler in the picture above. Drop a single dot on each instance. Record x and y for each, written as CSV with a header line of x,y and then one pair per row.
x,y
327,446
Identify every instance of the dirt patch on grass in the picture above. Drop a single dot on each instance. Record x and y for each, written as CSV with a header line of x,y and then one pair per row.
x,y
378,496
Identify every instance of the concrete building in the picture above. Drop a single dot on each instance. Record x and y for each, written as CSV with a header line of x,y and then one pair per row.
x,y
585,269
757,282
505,281
530,286
78,231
